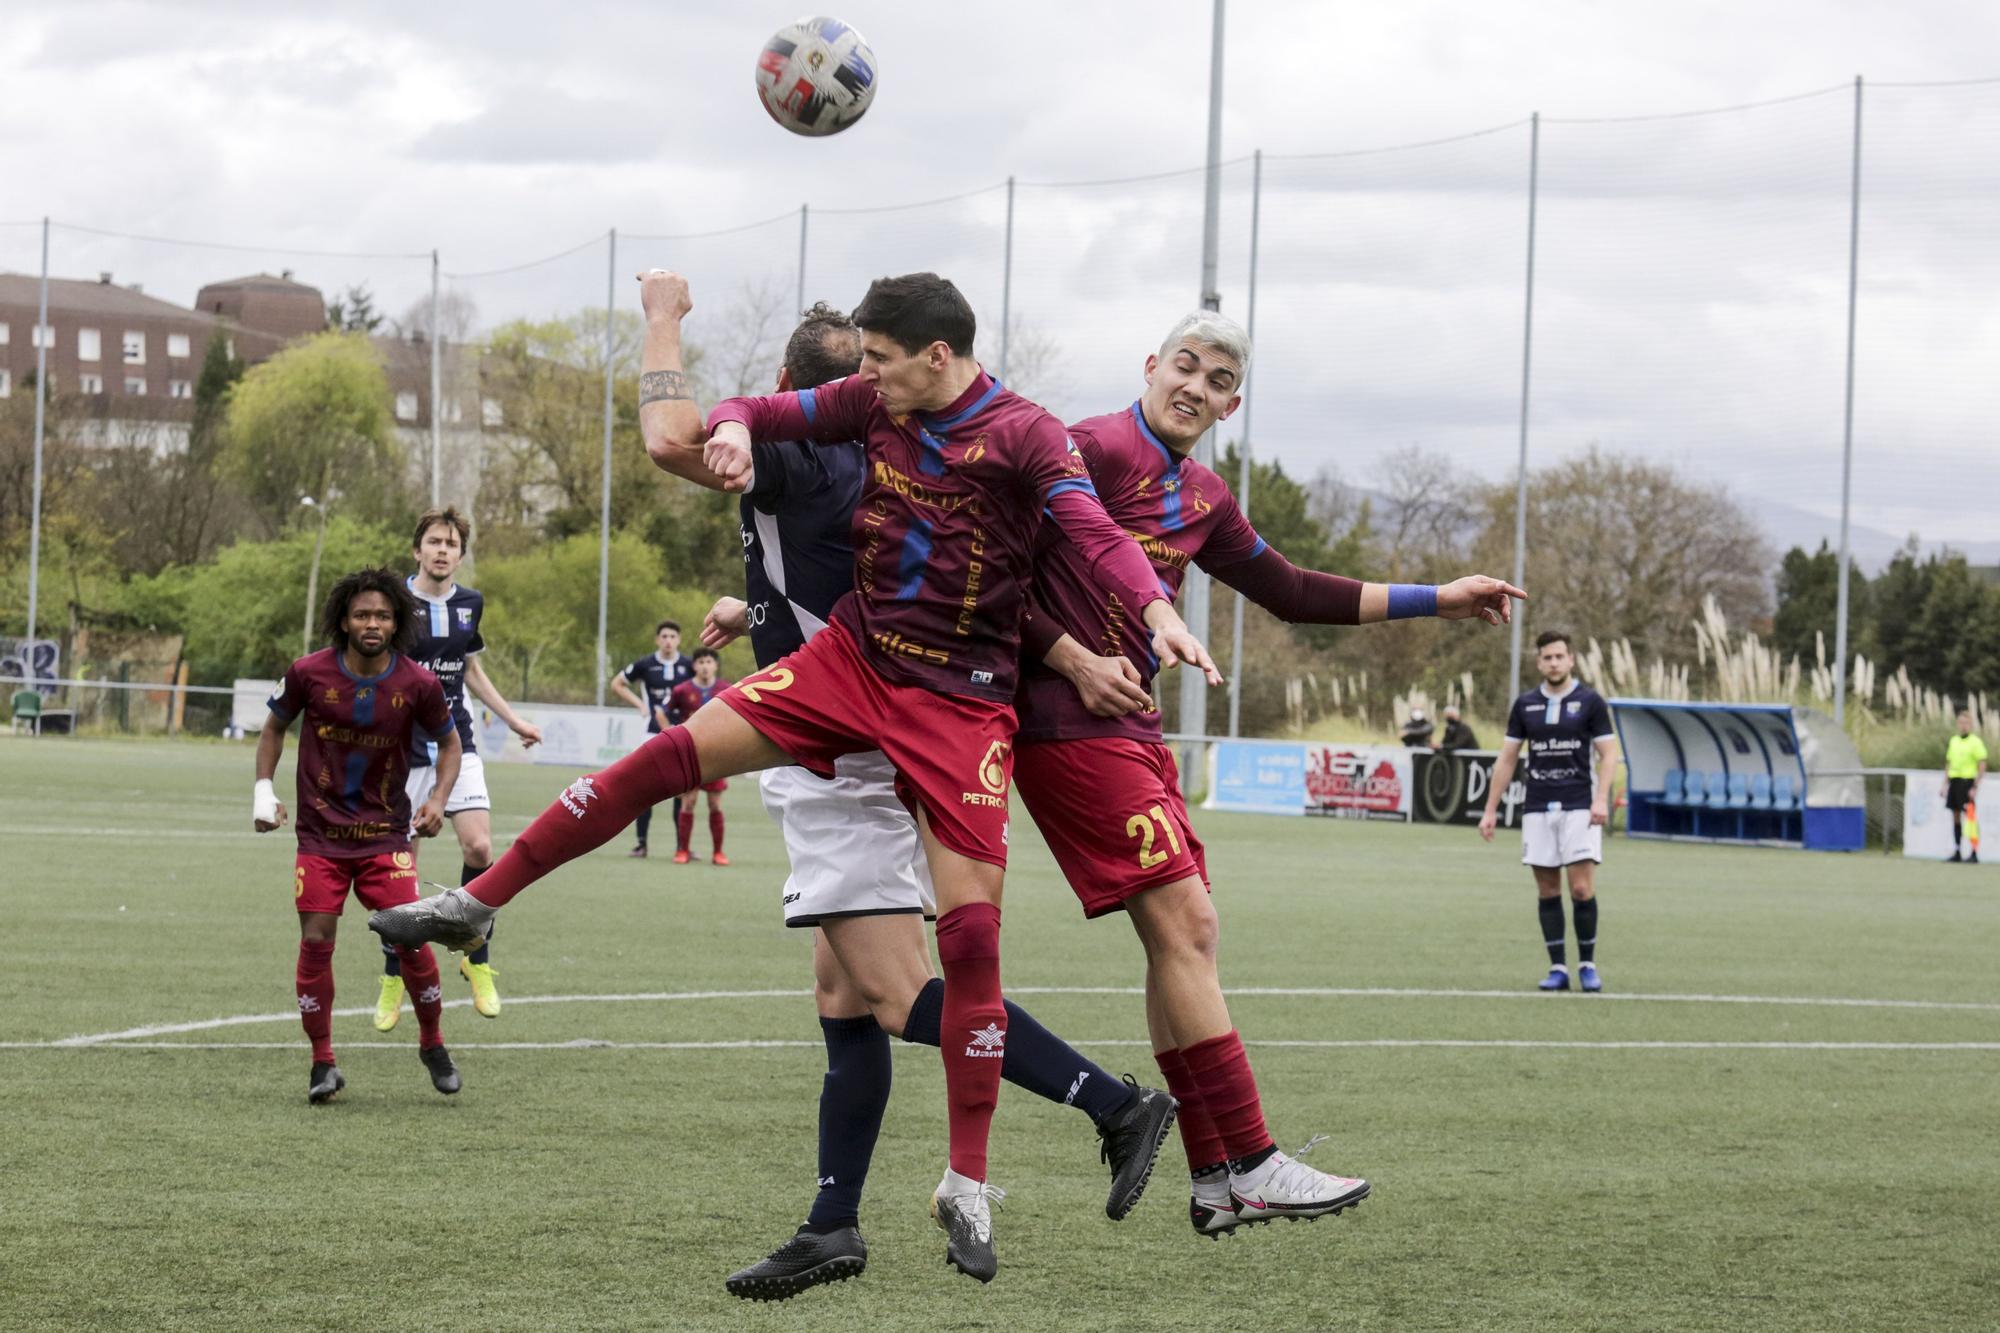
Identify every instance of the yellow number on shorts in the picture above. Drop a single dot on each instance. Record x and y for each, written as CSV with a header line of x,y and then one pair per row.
x,y
1140,827
781,679
298,882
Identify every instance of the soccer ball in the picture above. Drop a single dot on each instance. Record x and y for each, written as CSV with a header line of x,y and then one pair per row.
x,y
816,76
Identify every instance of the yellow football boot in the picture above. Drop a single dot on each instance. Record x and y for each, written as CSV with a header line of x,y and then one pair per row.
x,y
389,1005
485,995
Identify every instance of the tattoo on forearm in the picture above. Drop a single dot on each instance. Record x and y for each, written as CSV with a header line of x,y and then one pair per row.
x,y
662,386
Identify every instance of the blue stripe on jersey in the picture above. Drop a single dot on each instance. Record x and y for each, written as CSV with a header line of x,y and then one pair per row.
x,y
931,461
356,772
1259,549
1171,517
808,405
916,554
364,706
440,621
1071,484
1147,431
946,423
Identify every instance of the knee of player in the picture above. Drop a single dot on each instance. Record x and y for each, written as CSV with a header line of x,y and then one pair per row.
x,y
477,852
1193,932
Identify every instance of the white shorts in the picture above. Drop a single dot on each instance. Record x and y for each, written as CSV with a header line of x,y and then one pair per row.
x,y
853,846
468,793
1560,838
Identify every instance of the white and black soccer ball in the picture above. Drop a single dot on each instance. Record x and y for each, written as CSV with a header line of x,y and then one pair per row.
x,y
816,76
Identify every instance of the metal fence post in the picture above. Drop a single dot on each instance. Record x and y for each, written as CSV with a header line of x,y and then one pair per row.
x,y
437,394
1194,591
1007,282
802,259
42,340
1527,361
1243,469
1847,428
604,501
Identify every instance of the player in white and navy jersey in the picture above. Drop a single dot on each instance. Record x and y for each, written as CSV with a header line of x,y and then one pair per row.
x,y
858,875
658,674
1563,725
448,644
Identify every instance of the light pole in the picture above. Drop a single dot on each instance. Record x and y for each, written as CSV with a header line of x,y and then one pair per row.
x,y
312,578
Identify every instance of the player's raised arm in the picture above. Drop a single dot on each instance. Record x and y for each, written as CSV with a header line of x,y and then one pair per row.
x,y
668,417
835,413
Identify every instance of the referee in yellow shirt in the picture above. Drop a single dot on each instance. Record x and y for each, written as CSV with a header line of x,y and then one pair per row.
x,y
1964,766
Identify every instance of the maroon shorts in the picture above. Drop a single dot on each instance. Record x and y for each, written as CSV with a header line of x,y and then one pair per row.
x,y
320,883
954,756
720,784
1110,809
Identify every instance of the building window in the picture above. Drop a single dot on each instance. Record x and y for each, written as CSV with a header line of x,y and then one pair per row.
x,y
89,345
43,336
406,406
454,411
6,381
229,348
177,344
6,335
135,348
490,413
180,388
90,383
135,387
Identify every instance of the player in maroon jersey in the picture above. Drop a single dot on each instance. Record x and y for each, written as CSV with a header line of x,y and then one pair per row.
x,y
1087,726
364,702
919,662
688,696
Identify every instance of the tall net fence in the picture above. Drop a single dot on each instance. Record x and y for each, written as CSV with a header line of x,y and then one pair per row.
x,y
1690,306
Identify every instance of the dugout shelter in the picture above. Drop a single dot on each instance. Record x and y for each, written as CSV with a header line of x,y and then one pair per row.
x,y
1770,774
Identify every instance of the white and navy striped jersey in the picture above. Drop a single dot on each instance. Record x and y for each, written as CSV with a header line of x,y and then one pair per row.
x,y
447,637
798,545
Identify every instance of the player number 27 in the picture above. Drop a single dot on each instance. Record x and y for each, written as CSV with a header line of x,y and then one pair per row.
x,y
1141,827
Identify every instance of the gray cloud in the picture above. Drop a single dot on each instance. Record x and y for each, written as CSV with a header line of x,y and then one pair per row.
x,y
528,125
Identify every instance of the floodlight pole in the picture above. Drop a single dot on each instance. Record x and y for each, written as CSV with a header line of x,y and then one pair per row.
x,y
1243,463
42,340
1847,429
802,259
604,500
1521,467
1007,281
1194,593
437,394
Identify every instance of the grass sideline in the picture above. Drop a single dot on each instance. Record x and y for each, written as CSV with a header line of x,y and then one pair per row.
x,y
586,1186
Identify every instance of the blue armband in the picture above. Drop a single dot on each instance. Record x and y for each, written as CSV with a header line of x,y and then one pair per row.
x,y
1409,600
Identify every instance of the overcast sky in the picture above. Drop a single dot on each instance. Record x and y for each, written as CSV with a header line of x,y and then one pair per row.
x,y
1691,273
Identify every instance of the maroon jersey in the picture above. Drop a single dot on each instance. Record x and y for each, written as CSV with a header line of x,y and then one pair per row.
x,y
945,531
354,750
688,696
1179,512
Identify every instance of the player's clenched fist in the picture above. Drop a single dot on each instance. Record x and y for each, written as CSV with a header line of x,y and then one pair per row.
x,y
663,295
429,818
727,455
1487,824
266,810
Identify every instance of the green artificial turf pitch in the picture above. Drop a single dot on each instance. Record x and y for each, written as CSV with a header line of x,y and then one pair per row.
x,y
1528,1173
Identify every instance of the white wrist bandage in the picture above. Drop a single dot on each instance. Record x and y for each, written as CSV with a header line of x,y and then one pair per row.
x,y
264,801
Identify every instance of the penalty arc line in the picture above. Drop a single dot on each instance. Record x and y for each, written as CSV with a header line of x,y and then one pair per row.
x,y
1321,992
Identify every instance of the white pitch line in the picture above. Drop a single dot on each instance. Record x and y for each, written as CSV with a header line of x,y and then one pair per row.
x,y
595,1044
1316,992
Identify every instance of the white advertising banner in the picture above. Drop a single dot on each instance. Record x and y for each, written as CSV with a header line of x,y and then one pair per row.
x,y
1926,821
578,736
1358,781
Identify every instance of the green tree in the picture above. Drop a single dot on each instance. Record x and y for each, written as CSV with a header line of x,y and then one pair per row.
x,y
353,311
244,612
541,621
314,420
1808,588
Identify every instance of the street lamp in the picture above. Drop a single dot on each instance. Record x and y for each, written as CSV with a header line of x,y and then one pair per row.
x,y
312,579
